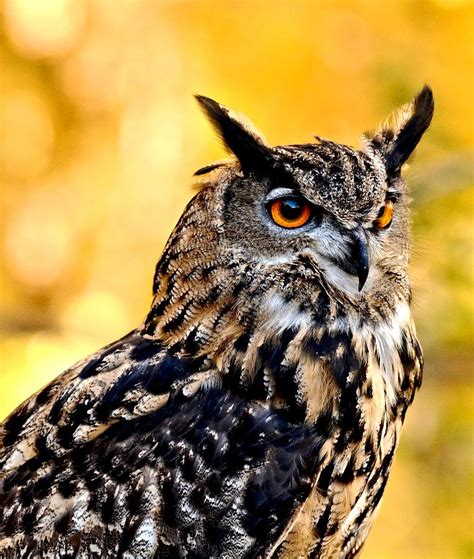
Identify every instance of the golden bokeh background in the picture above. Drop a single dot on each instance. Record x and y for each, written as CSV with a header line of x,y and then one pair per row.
x,y
99,139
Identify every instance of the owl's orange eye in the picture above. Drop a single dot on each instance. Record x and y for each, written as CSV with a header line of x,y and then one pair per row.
x,y
290,212
385,215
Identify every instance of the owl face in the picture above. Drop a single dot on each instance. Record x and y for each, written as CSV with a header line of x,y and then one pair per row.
x,y
320,203
320,213
324,208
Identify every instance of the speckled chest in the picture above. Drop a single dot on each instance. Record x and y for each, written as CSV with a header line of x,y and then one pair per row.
x,y
357,383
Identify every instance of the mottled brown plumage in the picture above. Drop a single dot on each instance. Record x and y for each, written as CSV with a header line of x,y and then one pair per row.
x,y
257,410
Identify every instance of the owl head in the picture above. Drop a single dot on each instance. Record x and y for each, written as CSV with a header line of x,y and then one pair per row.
x,y
296,225
341,211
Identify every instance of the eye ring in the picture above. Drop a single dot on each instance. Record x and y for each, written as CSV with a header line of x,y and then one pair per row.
x,y
290,212
385,215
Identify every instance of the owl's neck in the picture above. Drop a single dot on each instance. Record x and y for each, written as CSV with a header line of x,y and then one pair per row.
x,y
299,354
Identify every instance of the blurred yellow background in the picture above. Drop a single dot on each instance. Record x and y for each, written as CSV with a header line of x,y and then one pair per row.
x,y
99,139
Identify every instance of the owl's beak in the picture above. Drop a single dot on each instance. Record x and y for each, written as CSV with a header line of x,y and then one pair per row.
x,y
360,257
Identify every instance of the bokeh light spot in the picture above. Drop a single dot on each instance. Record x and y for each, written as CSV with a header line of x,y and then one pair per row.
x,y
38,242
96,312
43,28
28,134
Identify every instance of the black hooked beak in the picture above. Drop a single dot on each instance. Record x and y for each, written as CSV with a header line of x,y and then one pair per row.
x,y
359,258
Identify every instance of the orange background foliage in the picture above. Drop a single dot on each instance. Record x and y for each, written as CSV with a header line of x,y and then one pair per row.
x,y
99,139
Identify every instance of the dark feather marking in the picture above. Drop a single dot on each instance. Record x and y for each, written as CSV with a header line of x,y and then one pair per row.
x,y
325,477
30,518
242,342
208,168
156,378
68,487
14,424
178,320
45,394
287,386
322,522
107,508
62,524
411,133
92,367
146,349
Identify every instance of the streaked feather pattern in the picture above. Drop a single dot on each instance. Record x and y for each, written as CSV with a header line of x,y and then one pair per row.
x,y
257,410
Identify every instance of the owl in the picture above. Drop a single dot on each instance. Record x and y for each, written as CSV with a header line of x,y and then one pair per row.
x,y
257,409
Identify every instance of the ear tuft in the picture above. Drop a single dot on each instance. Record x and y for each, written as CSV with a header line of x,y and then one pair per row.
x,y
399,136
237,133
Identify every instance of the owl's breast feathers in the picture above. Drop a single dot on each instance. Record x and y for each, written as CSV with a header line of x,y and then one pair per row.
x,y
279,444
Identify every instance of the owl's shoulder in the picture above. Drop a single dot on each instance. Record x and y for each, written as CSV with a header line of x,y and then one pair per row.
x,y
126,379
134,426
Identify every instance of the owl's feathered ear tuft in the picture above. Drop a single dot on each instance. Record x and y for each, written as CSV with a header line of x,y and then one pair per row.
x,y
401,133
237,133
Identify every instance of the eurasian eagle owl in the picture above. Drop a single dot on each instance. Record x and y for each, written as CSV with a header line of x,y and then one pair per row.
x,y
256,411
